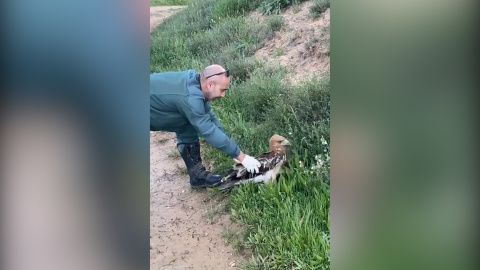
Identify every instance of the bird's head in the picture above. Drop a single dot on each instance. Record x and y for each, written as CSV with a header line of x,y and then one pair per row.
x,y
278,142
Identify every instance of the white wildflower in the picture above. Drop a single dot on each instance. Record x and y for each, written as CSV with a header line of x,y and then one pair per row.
x,y
324,142
320,162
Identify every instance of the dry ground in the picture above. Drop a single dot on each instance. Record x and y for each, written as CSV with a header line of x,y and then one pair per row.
x,y
185,225
303,44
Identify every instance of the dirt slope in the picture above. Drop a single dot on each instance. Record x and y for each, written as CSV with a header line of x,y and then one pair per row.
x,y
303,44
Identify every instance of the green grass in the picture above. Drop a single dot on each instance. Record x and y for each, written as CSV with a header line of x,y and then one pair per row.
x,y
275,6
168,2
278,52
275,22
263,105
318,7
192,38
286,226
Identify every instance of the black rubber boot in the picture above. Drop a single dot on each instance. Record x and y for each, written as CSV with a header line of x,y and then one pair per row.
x,y
199,176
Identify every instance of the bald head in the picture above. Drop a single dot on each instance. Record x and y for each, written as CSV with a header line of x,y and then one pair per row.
x,y
212,69
214,82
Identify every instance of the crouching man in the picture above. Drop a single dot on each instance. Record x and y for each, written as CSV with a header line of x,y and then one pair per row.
x,y
180,103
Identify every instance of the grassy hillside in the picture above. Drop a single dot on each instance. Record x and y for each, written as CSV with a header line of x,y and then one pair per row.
x,y
168,2
286,225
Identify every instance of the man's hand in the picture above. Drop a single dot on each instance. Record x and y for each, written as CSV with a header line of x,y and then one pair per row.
x,y
251,164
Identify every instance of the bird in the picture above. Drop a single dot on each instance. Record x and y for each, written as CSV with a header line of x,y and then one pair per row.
x,y
271,163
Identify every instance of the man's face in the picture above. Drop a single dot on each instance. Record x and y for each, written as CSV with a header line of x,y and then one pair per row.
x,y
217,87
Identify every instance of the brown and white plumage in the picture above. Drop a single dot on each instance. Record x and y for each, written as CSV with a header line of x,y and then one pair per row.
x,y
271,163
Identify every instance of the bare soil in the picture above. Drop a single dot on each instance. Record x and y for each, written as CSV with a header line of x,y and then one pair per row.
x,y
302,45
186,225
159,14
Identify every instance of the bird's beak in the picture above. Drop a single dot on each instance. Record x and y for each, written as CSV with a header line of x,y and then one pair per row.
x,y
285,142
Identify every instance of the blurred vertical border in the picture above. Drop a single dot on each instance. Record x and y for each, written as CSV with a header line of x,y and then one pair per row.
x,y
75,134
404,134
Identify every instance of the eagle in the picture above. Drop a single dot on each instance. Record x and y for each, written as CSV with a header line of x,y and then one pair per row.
x,y
271,163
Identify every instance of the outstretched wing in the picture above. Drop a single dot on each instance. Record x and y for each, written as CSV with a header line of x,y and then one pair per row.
x,y
269,161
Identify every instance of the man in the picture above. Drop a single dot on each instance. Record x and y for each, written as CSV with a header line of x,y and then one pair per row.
x,y
180,103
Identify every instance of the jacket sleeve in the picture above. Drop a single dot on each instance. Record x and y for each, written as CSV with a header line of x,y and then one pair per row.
x,y
193,108
216,121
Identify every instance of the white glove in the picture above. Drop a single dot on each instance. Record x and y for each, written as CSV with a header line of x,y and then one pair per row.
x,y
251,164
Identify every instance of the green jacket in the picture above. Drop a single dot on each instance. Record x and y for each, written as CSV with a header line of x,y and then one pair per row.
x,y
177,102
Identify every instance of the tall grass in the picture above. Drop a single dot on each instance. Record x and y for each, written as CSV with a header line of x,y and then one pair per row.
x,y
318,7
193,39
287,224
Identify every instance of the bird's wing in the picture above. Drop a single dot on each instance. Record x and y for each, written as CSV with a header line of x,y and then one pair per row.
x,y
239,174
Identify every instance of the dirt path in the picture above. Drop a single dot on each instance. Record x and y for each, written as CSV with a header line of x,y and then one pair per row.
x,y
185,229
158,14
185,225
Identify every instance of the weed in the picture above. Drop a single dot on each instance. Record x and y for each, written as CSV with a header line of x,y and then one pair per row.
x,y
278,52
295,7
173,154
234,237
275,22
229,235
275,6
214,207
309,43
210,214
232,8
318,7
